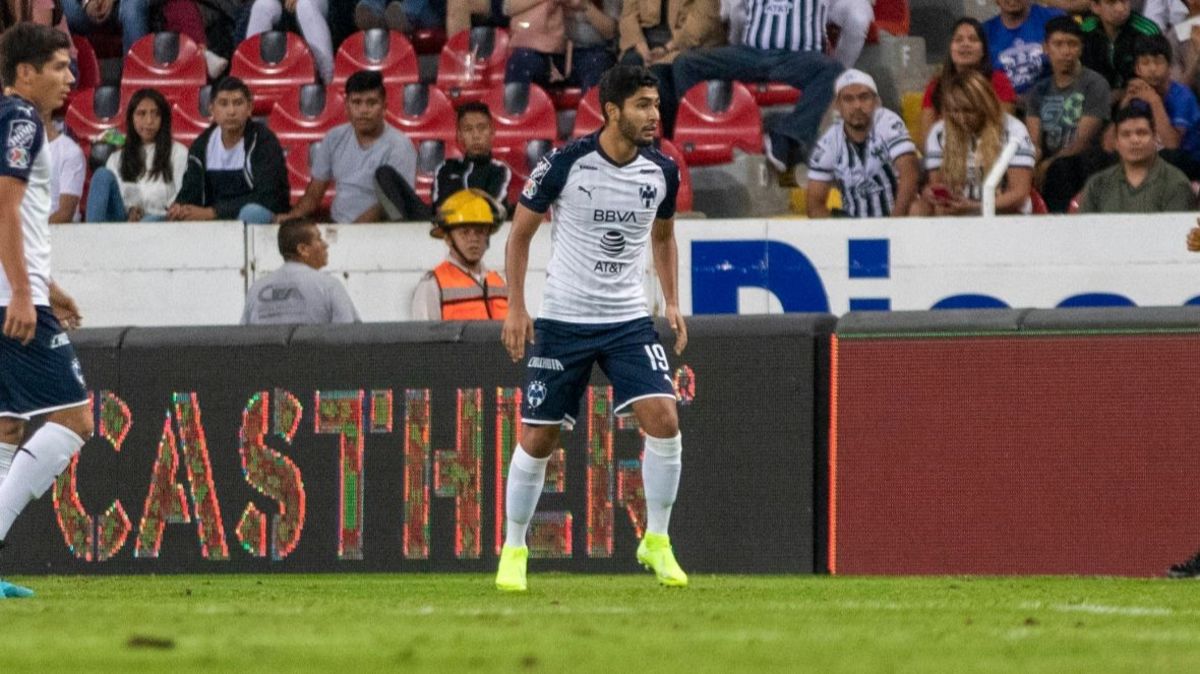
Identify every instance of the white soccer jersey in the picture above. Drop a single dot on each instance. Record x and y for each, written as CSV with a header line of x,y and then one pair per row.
x,y
22,142
866,175
1025,157
603,213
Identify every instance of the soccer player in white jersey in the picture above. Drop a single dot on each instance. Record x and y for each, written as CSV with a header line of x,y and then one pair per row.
x,y
612,193
867,153
39,373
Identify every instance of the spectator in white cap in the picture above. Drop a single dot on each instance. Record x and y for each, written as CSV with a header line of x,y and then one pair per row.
x,y
868,154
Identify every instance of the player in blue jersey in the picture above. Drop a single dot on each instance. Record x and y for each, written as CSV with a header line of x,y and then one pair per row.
x,y
612,193
39,373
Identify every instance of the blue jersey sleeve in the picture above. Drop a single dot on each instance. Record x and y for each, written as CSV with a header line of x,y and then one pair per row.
x,y
670,171
21,138
546,181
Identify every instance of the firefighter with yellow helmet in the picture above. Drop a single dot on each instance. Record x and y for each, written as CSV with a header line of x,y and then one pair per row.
x,y
461,288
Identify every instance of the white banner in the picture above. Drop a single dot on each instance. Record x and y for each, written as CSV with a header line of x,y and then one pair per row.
x,y
197,273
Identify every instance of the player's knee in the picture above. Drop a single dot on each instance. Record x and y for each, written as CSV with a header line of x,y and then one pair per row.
x,y
660,421
77,419
539,441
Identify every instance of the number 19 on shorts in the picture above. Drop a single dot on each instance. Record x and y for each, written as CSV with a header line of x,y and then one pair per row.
x,y
658,358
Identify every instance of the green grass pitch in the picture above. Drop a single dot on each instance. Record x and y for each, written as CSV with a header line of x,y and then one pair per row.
x,y
349,623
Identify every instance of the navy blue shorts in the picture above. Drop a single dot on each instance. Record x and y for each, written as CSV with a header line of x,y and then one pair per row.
x,y
42,376
560,365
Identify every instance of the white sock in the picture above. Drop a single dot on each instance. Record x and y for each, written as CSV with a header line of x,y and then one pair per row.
x,y
526,475
6,456
661,465
34,468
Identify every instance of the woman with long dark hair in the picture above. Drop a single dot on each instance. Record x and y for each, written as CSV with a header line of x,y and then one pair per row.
x,y
968,51
140,180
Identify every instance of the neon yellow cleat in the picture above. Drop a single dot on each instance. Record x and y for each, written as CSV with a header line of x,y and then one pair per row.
x,y
510,577
654,552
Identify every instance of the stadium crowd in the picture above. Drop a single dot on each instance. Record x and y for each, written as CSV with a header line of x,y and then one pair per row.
x,y
1098,98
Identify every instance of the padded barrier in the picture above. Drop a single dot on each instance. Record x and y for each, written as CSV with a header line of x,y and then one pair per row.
x,y
395,432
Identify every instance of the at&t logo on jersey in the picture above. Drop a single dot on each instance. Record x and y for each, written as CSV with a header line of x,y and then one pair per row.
x,y
612,244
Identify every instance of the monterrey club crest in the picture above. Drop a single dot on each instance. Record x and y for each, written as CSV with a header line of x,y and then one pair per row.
x,y
536,393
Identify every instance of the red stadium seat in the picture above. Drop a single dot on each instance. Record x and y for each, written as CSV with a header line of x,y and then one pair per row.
x,y
87,63
588,116
299,168
522,163
715,117
520,113
472,62
430,155
272,64
773,93
566,98
169,62
305,114
1038,203
386,51
891,16
428,41
187,125
423,113
94,111
683,201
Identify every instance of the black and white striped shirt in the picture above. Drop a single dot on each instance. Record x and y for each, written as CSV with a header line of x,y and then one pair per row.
x,y
794,25
865,174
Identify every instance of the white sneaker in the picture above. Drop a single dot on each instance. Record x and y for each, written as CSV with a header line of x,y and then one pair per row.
x,y
215,63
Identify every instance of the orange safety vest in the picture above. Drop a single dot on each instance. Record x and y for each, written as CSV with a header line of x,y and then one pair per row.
x,y
464,299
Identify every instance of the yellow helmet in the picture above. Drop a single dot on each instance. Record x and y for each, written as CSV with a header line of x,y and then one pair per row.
x,y
467,207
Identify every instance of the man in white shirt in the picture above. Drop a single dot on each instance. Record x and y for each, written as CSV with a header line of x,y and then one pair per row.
x,y
867,153
67,172
613,195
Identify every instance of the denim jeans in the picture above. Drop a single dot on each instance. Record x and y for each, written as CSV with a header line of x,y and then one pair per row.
x,y
588,65
132,15
254,214
104,202
811,72
420,13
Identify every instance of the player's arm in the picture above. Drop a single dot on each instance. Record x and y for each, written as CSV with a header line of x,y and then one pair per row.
x,y
20,319
666,264
64,307
909,170
518,326
817,198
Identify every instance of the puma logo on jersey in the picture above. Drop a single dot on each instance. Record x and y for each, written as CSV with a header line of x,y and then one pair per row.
x,y
585,190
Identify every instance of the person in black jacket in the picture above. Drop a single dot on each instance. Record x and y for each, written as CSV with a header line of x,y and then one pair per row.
x,y
477,168
235,169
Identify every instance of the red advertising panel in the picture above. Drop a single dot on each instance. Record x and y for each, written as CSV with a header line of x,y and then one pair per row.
x,y
1017,454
